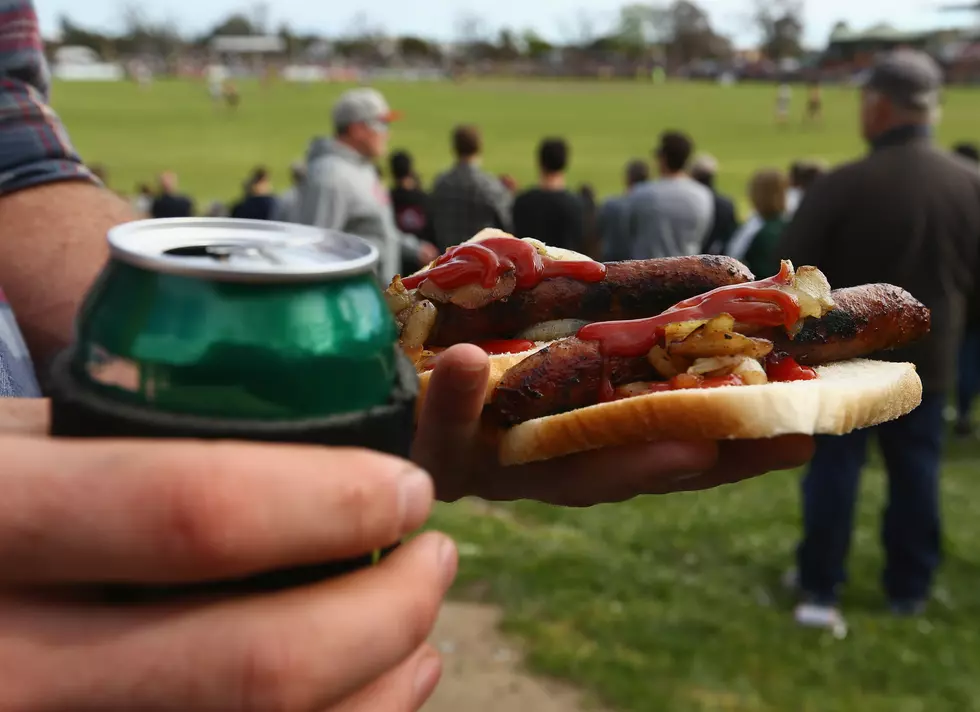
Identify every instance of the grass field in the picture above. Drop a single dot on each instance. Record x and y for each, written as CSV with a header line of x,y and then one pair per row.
x,y
174,125
671,603
675,604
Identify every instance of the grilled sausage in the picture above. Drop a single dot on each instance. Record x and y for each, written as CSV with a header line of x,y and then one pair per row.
x,y
630,290
867,319
569,374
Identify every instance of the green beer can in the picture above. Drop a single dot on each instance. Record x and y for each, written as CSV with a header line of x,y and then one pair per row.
x,y
238,329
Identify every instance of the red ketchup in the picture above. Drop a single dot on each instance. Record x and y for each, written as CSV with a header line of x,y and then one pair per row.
x,y
759,303
506,346
781,367
487,261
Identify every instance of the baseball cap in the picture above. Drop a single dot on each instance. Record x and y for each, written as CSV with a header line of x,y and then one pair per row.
x,y
910,78
705,164
362,106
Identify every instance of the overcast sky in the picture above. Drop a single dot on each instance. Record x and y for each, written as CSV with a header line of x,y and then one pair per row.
x,y
555,19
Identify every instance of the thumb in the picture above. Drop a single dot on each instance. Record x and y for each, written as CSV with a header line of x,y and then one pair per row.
x,y
404,689
450,416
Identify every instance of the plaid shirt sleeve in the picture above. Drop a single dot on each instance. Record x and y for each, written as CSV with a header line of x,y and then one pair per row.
x,y
34,147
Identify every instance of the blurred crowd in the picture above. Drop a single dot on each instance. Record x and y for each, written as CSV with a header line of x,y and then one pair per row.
x,y
907,213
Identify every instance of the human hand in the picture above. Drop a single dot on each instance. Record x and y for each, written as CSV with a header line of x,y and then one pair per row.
x,y
74,514
449,445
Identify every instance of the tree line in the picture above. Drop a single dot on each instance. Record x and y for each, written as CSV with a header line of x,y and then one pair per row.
x,y
676,34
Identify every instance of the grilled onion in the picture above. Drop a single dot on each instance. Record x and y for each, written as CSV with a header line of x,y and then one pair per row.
x,y
747,368
812,291
716,337
397,297
552,330
418,324
659,359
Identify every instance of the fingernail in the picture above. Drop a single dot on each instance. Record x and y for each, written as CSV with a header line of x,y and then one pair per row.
x,y
427,676
448,561
416,492
472,376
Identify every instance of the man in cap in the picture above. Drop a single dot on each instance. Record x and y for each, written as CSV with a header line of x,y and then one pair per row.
x,y
909,214
343,191
704,170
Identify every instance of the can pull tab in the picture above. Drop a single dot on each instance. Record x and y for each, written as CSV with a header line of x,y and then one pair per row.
x,y
227,252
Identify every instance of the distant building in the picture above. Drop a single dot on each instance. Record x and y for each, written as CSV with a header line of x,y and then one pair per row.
x,y
248,53
77,63
856,50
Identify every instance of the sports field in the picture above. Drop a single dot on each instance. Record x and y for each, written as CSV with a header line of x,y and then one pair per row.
x,y
661,604
174,125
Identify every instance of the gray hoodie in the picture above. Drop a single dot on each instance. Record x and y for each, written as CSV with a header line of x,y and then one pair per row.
x,y
343,192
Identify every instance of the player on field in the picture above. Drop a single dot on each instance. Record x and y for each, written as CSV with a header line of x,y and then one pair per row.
x,y
814,103
784,98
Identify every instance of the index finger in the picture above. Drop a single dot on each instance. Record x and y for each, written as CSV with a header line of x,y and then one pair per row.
x,y
177,511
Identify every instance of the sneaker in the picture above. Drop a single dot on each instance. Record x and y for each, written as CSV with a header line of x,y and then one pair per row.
x,y
827,617
908,608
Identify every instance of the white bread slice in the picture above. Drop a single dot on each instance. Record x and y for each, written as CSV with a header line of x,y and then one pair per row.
x,y
499,364
847,396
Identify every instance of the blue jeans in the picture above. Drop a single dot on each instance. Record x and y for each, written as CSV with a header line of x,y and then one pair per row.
x,y
968,376
910,531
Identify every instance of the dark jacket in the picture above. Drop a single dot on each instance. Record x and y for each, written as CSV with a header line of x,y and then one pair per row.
x,y
762,257
255,207
555,217
722,228
907,214
172,206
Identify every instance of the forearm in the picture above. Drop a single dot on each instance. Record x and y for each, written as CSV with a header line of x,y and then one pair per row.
x,y
53,245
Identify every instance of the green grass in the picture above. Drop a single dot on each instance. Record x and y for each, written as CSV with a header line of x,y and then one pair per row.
x,y
674,603
669,603
174,125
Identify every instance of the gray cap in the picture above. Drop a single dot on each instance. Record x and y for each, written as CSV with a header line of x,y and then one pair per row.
x,y
704,164
362,106
910,78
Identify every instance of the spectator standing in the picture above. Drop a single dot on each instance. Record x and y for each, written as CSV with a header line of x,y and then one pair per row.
x,y
169,203
410,203
802,175
343,190
613,221
465,199
590,219
767,191
724,223
550,212
259,202
143,200
968,372
670,216
907,214
287,204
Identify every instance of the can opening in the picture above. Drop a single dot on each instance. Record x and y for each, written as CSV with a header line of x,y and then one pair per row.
x,y
217,252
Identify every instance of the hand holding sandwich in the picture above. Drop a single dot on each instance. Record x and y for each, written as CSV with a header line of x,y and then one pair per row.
x,y
453,446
